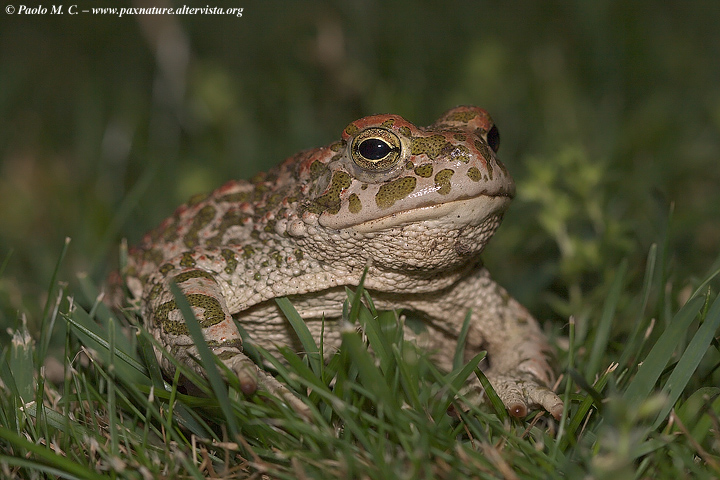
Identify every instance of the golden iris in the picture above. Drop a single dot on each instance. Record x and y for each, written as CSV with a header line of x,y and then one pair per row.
x,y
376,149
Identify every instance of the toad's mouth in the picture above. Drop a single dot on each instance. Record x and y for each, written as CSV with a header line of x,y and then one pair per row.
x,y
456,213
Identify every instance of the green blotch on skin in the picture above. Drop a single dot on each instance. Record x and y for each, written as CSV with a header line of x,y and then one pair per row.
x,y
238,197
230,219
298,254
185,276
396,190
336,147
425,170
201,220
154,256
144,279
388,123
155,291
248,251
351,129
227,354
261,178
354,204
229,343
230,260
484,149
442,180
197,198
474,174
212,314
463,117
277,256
317,169
187,260
168,326
461,137
275,200
330,200
166,268
169,233
405,131
270,226
487,155
260,190
462,153
430,146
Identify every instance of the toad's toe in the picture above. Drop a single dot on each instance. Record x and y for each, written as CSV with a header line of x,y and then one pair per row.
x,y
519,395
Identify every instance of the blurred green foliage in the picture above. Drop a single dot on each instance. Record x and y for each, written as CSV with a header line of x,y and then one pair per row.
x,y
609,113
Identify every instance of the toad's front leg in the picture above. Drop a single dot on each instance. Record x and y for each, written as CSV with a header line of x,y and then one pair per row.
x,y
203,293
519,370
517,350
166,322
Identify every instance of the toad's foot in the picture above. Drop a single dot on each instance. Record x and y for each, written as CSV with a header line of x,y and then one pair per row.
x,y
252,378
521,392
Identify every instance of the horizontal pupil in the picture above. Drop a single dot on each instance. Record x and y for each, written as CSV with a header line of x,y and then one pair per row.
x,y
374,149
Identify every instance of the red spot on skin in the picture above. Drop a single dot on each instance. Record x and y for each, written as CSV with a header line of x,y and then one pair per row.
x,y
228,186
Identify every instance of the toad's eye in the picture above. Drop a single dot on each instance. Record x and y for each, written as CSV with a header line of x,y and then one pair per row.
x,y
376,149
493,138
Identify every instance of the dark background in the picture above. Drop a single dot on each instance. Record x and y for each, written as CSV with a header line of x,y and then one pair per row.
x,y
609,114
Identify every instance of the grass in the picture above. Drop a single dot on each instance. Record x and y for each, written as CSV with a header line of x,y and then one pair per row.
x,y
609,114
648,410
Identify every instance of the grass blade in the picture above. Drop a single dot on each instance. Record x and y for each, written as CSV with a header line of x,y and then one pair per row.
x,y
456,380
654,364
695,351
207,358
370,375
459,357
301,330
70,468
631,346
602,335
495,401
373,330
89,333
